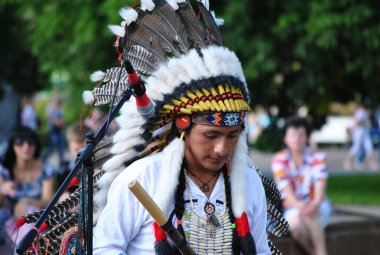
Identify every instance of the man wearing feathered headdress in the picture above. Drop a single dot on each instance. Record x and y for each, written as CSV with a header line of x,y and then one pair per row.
x,y
191,153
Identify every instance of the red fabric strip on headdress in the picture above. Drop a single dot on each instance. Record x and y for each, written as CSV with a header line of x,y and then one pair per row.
x,y
242,225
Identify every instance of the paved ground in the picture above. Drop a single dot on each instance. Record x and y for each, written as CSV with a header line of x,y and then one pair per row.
x,y
335,157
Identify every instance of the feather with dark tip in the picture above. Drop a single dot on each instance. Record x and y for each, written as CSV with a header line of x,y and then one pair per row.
x,y
55,234
58,210
276,224
104,94
112,74
102,153
273,248
153,24
211,25
272,194
141,59
173,24
193,26
136,35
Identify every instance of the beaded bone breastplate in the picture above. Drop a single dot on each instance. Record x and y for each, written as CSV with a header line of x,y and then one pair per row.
x,y
210,234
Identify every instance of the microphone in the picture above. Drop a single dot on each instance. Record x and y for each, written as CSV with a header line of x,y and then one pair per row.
x,y
144,105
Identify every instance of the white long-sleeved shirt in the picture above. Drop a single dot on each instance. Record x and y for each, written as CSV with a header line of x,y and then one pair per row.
x,y
125,227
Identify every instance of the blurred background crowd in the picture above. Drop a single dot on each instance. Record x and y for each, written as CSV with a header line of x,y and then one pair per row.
x,y
318,60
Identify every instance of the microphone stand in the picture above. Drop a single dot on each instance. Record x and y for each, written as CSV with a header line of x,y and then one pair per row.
x,y
85,156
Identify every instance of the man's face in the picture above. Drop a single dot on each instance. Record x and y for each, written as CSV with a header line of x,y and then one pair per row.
x,y
296,139
209,147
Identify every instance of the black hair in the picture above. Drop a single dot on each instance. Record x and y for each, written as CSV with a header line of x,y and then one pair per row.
x,y
19,132
235,239
297,122
179,206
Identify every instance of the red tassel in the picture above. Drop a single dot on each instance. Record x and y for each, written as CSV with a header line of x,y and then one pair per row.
x,y
159,234
74,181
242,225
135,5
19,223
43,228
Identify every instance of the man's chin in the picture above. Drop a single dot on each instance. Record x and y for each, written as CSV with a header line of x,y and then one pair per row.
x,y
215,166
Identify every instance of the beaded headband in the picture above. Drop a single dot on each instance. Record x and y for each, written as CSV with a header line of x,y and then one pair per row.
x,y
224,119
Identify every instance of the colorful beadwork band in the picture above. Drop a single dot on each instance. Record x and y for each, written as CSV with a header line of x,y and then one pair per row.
x,y
225,119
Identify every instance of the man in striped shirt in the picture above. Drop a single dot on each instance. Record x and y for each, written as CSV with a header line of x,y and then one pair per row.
x,y
301,177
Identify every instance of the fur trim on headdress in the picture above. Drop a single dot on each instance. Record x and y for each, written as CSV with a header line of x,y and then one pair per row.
x,y
130,122
170,169
216,61
147,5
117,30
237,176
88,97
129,15
97,76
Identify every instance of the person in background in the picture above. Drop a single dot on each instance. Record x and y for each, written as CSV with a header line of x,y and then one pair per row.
x,y
54,114
76,140
96,120
301,176
26,182
361,139
28,116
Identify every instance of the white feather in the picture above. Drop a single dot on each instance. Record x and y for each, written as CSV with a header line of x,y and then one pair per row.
x,y
154,94
179,73
117,30
88,97
126,144
173,4
129,15
239,166
196,67
97,76
127,123
219,21
221,61
117,161
147,5
159,81
100,197
127,132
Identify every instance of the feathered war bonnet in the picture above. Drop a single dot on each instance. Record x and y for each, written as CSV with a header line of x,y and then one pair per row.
x,y
187,71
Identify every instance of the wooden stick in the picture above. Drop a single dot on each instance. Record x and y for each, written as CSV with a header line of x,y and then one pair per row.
x,y
159,216
144,198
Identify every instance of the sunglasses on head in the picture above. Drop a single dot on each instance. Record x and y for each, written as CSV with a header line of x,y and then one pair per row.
x,y
22,140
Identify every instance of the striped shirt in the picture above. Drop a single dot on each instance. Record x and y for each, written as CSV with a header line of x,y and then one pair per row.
x,y
302,179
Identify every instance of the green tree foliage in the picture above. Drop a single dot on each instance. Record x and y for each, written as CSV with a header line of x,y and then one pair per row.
x,y
70,40
307,52
293,52
17,66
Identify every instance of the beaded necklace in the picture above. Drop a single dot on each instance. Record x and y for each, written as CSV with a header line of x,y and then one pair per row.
x,y
203,186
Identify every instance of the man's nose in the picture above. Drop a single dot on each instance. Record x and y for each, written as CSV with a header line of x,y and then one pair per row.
x,y
221,148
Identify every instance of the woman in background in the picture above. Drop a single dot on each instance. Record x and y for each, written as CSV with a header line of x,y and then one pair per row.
x,y
26,182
